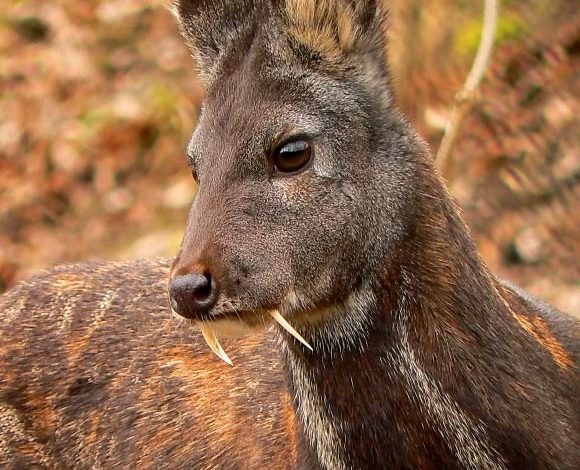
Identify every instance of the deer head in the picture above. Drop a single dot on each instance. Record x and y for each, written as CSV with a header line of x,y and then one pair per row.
x,y
306,172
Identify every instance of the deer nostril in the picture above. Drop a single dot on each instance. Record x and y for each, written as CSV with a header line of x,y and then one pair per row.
x,y
203,289
193,295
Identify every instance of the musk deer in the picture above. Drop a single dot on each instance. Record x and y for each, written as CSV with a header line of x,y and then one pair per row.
x,y
377,336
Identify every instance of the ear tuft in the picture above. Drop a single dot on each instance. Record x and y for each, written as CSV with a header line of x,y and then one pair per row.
x,y
334,29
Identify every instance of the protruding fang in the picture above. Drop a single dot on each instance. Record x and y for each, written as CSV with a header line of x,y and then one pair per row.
x,y
214,344
176,315
284,324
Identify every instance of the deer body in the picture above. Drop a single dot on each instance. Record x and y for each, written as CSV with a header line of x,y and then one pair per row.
x,y
316,200
95,373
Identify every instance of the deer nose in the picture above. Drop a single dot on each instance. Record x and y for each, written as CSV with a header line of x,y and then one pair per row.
x,y
193,295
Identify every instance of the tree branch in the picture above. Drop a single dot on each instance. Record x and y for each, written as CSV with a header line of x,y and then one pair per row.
x,y
465,99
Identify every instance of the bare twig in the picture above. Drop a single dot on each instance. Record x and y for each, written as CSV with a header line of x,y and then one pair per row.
x,y
465,99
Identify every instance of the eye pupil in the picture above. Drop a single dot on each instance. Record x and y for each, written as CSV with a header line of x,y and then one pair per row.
x,y
292,157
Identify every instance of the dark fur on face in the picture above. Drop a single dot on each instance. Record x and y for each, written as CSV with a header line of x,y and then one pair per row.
x,y
274,72
421,359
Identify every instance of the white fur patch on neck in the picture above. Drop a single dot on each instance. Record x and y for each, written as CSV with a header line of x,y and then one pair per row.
x,y
467,438
331,331
337,329
321,428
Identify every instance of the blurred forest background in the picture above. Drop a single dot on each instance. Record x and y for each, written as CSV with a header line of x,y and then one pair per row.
x,y
98,99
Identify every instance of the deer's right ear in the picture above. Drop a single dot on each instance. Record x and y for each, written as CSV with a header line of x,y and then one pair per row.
x,y
213,29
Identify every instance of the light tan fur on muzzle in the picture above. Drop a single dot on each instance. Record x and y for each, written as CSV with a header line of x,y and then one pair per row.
x,y
212,340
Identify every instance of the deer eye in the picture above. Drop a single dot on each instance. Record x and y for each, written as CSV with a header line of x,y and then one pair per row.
x,y
292,157
194,175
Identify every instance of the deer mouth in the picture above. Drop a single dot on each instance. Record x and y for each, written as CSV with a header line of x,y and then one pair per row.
x,y
229,324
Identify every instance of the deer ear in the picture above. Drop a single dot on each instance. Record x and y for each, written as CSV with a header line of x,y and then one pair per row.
x,y
334,30
213,28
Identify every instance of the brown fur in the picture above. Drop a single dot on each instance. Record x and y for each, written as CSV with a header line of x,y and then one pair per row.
x,y
422,359
136,389
545,338
327,27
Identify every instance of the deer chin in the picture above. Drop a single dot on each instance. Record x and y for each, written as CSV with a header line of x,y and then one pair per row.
x,y
236,325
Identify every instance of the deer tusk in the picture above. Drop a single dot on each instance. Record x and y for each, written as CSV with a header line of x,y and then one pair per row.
x,y
176,315
275,314
214,344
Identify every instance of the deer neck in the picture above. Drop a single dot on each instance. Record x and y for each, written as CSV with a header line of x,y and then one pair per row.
x,y
382,399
